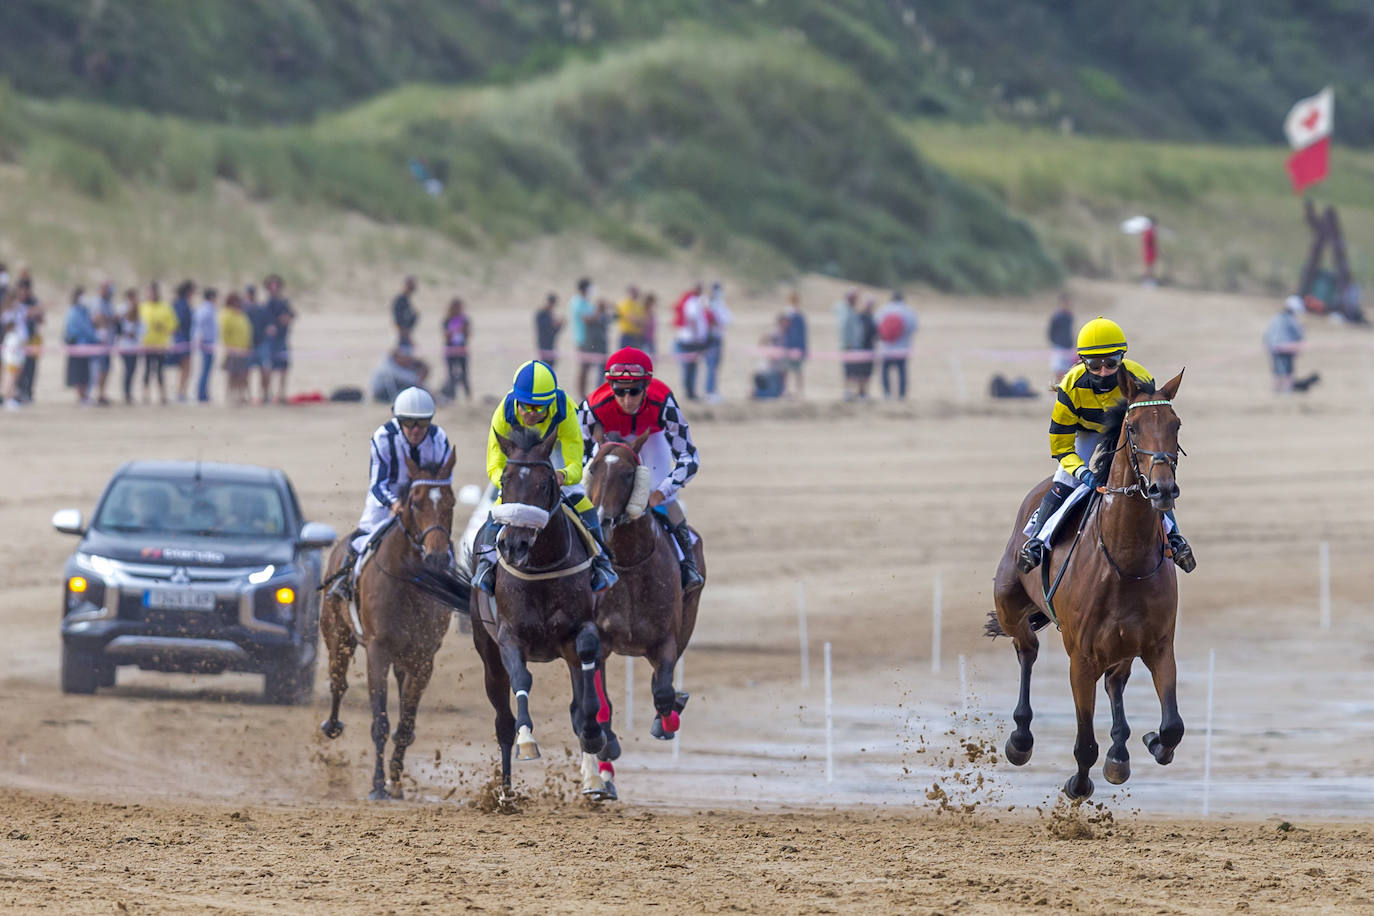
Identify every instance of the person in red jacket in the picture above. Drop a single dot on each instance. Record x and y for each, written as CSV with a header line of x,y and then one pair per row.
x,y
630,402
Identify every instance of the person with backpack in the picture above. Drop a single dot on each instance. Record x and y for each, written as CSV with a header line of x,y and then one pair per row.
x,y
896,327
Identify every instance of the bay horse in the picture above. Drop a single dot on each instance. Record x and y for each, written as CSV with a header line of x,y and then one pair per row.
x,y
1118,598
545,608
646,613
399,621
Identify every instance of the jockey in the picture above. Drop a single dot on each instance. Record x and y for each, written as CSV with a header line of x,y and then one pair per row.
x,y
411,431
535,401
629,403
1083,395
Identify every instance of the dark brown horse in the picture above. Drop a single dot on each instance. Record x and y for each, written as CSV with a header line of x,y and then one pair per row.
x,y
399,622
544,609
645,614
1118,599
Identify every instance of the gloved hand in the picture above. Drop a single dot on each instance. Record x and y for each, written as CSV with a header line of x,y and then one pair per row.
x,y
1087,477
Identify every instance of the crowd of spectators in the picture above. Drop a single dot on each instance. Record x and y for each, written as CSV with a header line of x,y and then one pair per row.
x,y
105,330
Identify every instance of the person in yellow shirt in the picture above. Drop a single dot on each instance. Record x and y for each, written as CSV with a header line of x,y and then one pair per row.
x,y
236,334
1081,401
536,402
159,322
633,320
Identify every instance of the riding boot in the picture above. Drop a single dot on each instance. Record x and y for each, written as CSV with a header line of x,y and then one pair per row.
x,y
1033,552
603,574
1179,547
484,549
343,585
691,576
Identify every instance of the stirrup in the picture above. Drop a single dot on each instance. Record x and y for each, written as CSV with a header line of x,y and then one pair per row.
x,y
484,576
1032,555
1183,552
603,575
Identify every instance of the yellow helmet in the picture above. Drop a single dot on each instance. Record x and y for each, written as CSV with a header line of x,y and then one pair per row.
x,y
1101,337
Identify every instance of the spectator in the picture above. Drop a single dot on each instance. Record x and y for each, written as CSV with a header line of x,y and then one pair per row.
x,y
596,345
280,316
1284,337
868,339
650,323
13,337
851,341
457,333
794,340
33,316
1061,332
547,325
126,340
398,371
4,282
180,355
261,358
896,326
1149,250
158,323
403,314
630,315
204,332
690,319
236,334
771,372
106,325
583,315
79,335
718,318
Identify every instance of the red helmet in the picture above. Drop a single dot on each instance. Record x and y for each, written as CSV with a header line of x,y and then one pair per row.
x,y
629,363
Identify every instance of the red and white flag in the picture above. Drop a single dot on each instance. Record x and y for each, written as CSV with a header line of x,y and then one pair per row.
x,y
1308,127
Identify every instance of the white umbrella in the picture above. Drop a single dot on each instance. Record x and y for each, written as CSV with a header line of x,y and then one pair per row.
x,y
1135,225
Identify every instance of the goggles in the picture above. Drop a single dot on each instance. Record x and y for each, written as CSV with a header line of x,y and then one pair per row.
x,y
1098,363
414,423
629,391
532,409
626,370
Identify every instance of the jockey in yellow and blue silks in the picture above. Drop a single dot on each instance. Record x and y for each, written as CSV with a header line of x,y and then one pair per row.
x,y
1081,399
536,402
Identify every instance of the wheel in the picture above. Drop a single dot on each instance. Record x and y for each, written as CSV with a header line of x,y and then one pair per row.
x,y
107,675
80,671
290,685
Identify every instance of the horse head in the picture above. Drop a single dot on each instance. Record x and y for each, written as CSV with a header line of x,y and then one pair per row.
x,y
427,514
1149,433
530,491
617,482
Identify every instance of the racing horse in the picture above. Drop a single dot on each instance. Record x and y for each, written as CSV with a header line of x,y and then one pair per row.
x,y
1117,600
399,621
646,613
545,608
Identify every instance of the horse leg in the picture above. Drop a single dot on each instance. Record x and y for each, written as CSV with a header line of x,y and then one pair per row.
x,y
497,684
378,663
667,721
588,645
409,685
1162,668
611,751
341,643
1117,768
1021,742
521,681
1083,679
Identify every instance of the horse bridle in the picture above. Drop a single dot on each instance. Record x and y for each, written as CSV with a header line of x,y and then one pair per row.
x,y
1142,478
545,463
419,542
634,455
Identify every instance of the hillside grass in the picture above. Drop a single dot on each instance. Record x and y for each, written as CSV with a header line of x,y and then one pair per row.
x,y
1232,221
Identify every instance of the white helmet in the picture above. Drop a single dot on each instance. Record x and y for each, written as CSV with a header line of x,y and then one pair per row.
x,y
413,404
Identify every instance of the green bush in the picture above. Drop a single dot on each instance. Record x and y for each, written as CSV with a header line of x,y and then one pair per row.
x,y
80,168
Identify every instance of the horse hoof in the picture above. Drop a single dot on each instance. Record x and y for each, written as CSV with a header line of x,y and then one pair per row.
x,y
396,793
527,750
595,744
1116,771
680,700
657,730
1162,755
612,749
1017,756
332,728
608,792
378,794
1077,789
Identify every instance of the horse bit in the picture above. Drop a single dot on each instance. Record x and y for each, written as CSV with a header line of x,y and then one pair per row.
x,y
1142,478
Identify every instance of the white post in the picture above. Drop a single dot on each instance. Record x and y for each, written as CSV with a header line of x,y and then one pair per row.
x,y
805,644
680,675
1324,591
956,371
629,693
963,682
936,625
1207,740
829,723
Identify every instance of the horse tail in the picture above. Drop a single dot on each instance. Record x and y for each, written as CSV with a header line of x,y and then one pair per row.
x,y
993,627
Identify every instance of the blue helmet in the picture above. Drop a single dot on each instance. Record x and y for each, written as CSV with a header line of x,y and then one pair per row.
x,y
535,383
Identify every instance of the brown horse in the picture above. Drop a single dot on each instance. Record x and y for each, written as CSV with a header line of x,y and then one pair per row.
x,y
544,609
402,623
1118,598
645,614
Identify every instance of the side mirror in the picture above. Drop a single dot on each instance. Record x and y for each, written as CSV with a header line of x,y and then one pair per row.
x,y
68,521
470,494
316,534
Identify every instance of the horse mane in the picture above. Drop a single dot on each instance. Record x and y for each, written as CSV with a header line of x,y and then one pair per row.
x,y
524,438
1112,422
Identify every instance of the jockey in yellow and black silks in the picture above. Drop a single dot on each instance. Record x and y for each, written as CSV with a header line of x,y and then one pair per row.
x,y
536,402
1081,400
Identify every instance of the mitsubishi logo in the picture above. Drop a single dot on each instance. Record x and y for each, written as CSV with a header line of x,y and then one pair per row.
x,y
180,576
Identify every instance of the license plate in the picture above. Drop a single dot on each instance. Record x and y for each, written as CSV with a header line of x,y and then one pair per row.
x,y
179,599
